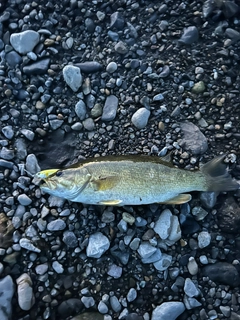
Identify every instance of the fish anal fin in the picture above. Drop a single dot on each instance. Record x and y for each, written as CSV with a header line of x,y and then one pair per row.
x,y
104,183
110,202
179,199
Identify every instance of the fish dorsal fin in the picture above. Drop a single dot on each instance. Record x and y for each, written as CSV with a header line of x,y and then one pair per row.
x,y
104,183
110,202
179,199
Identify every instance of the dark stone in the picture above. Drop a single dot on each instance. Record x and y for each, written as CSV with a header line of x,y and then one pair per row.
x,y
89,66
222,273
133,316
188,224
38,67
190,35
117,21
110,108
70,307
230,9
229,216
13,59
90,25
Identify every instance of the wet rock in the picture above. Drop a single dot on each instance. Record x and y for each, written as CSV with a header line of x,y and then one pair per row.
x,y
25,41
88,302
56,225
222,273
115,304
228,216
57,267
193,139
163,225
70,239
110,108
168,310
97,245
26,244
72,76
24,200
32,164
6,294
208,199
26,297
37,68
190,35
13,59
145,250
121,48
204,239
163,263
140,118
115,271
190,288
8,132
111,67
191,303
89,124
6,153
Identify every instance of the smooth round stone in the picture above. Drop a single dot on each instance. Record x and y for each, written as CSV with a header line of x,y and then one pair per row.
x,y
110,108
70,239
198,87
132,295
121,48
190,288
111,67
26,297
6,294
72,76
140,118
204,239
13,59
8,132
56,225
97,245
57,267
163,225
81,109
41,268
168,310
24,200
89,124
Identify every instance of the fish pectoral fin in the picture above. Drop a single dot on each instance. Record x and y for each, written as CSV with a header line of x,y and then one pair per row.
x,y
110,202
179,199
104,183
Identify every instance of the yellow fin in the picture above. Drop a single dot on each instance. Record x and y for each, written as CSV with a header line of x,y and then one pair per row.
x,y
179,199
110,202
105,183
46,173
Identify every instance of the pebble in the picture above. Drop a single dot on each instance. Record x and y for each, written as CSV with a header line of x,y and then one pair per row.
x,y
97,245
228,216
117,21
28,134
70,239
168,310
163,263
163,225
56,225
204,239
199,213
32,164
155,257
191,303
223,273
131,295
208,199
57,267
193,139
189,36
88,302
110,108
89,124
89,66
145,250
8,132
25,41
140,118
111,67
6,153
6,294
72,76
24,200
192,266
121,48
37,68
115,304
199,87
71,307
115,271
41,268
190,288
158,97
26,297
26,244
102,307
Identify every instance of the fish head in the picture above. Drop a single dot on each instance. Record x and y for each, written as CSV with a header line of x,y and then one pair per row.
x,y
66,183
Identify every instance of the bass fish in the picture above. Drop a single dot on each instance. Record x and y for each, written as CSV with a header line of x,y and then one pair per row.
x,y
134,180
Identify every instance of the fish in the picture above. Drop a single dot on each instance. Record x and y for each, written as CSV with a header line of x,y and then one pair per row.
x,y
134,180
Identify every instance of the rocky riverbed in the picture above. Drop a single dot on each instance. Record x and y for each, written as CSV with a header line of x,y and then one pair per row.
x,y
92,78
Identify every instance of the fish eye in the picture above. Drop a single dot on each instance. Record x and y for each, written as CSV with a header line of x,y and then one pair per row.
x,y
59,173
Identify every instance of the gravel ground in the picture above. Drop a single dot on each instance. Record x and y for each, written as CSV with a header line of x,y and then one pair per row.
x,y
92,78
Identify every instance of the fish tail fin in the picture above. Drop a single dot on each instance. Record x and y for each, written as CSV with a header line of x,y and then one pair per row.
x,y
217,176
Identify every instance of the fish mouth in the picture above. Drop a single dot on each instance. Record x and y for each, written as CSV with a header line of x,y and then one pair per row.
x,y
44,184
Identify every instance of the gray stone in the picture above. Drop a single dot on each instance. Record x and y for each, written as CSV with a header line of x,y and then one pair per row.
x,y
55,123
190,35
6,154
70,239
89,66
6,294
111,67
115,271
158,97
56,225
26,297
208,199
117,21
134,245
163,225
41,268
108,216
199,213
89,124
156,256
57,267
190,288
26,244
81,109
115,304
192,266
204,239
145,250
193,139
90,101
198,87
175,233
32,164
8,132
97,245
25,41
168,310
163,263
102,307
24,200
28,134
37,68
88,302
132,295
121,48
140,118
191,303
110,108
72,76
